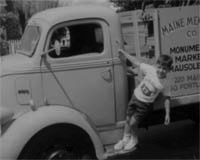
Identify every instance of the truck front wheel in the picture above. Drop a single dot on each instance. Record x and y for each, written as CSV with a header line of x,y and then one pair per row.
x,y
58,142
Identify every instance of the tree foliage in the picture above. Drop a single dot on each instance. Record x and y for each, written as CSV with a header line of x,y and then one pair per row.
x,y
126,5
11,22
24,9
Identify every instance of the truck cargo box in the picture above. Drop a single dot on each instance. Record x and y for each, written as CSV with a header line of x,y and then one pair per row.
x,y
173,31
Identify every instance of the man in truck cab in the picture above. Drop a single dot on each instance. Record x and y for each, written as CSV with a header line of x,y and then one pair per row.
x,y
141,103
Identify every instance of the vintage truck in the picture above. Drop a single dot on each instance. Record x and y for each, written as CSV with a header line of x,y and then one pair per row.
x,y
64,94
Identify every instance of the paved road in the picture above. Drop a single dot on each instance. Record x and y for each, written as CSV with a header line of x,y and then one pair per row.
x,y
179,140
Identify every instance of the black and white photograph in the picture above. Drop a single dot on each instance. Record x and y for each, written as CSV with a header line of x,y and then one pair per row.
x,y
99,79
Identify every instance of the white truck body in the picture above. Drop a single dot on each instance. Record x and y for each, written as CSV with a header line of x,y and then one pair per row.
x,y
81,95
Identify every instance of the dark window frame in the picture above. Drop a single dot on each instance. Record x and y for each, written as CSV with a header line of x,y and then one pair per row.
x,y
77,23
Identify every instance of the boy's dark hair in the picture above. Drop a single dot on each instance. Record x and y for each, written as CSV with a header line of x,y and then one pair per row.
x,y
165,60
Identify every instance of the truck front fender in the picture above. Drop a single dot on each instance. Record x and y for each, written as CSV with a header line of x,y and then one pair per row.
x,y
26,126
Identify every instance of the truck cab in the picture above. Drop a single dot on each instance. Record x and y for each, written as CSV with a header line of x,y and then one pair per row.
x,y
85,77
66,89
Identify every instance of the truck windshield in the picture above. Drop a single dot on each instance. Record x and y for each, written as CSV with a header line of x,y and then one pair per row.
x,y
29,40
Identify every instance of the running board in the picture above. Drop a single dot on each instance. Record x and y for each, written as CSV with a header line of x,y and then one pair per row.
x,y
110,152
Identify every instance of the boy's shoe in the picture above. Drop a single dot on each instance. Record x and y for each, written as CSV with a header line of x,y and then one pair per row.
x,y
131,145
120,145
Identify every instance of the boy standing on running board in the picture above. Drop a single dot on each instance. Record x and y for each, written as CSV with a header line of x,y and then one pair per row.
x,y
144,95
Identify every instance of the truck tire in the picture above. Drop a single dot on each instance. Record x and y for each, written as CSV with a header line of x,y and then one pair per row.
x,y
58,142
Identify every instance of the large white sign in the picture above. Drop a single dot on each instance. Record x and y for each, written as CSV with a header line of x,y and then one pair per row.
x,y
179,31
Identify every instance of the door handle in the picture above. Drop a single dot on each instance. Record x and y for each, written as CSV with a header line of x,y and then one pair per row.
x,y
107,75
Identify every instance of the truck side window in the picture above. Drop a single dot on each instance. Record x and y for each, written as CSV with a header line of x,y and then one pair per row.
x,y
150,29
77,40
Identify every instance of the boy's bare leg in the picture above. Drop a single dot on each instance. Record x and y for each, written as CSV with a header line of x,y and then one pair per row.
x,y
127,129
133,129
126,136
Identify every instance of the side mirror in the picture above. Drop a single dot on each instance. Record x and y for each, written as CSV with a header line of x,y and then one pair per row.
x,y
43,55
56,48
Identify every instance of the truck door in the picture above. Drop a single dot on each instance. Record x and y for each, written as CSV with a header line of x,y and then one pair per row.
x,y
82,72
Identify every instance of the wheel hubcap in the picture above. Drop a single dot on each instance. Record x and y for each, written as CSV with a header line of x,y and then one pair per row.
x,y
57,153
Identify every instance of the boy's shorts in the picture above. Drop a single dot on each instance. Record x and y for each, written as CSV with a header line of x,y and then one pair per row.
x,y
140,110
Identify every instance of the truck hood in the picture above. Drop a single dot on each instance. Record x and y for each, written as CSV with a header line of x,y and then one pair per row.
x,y
14,63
